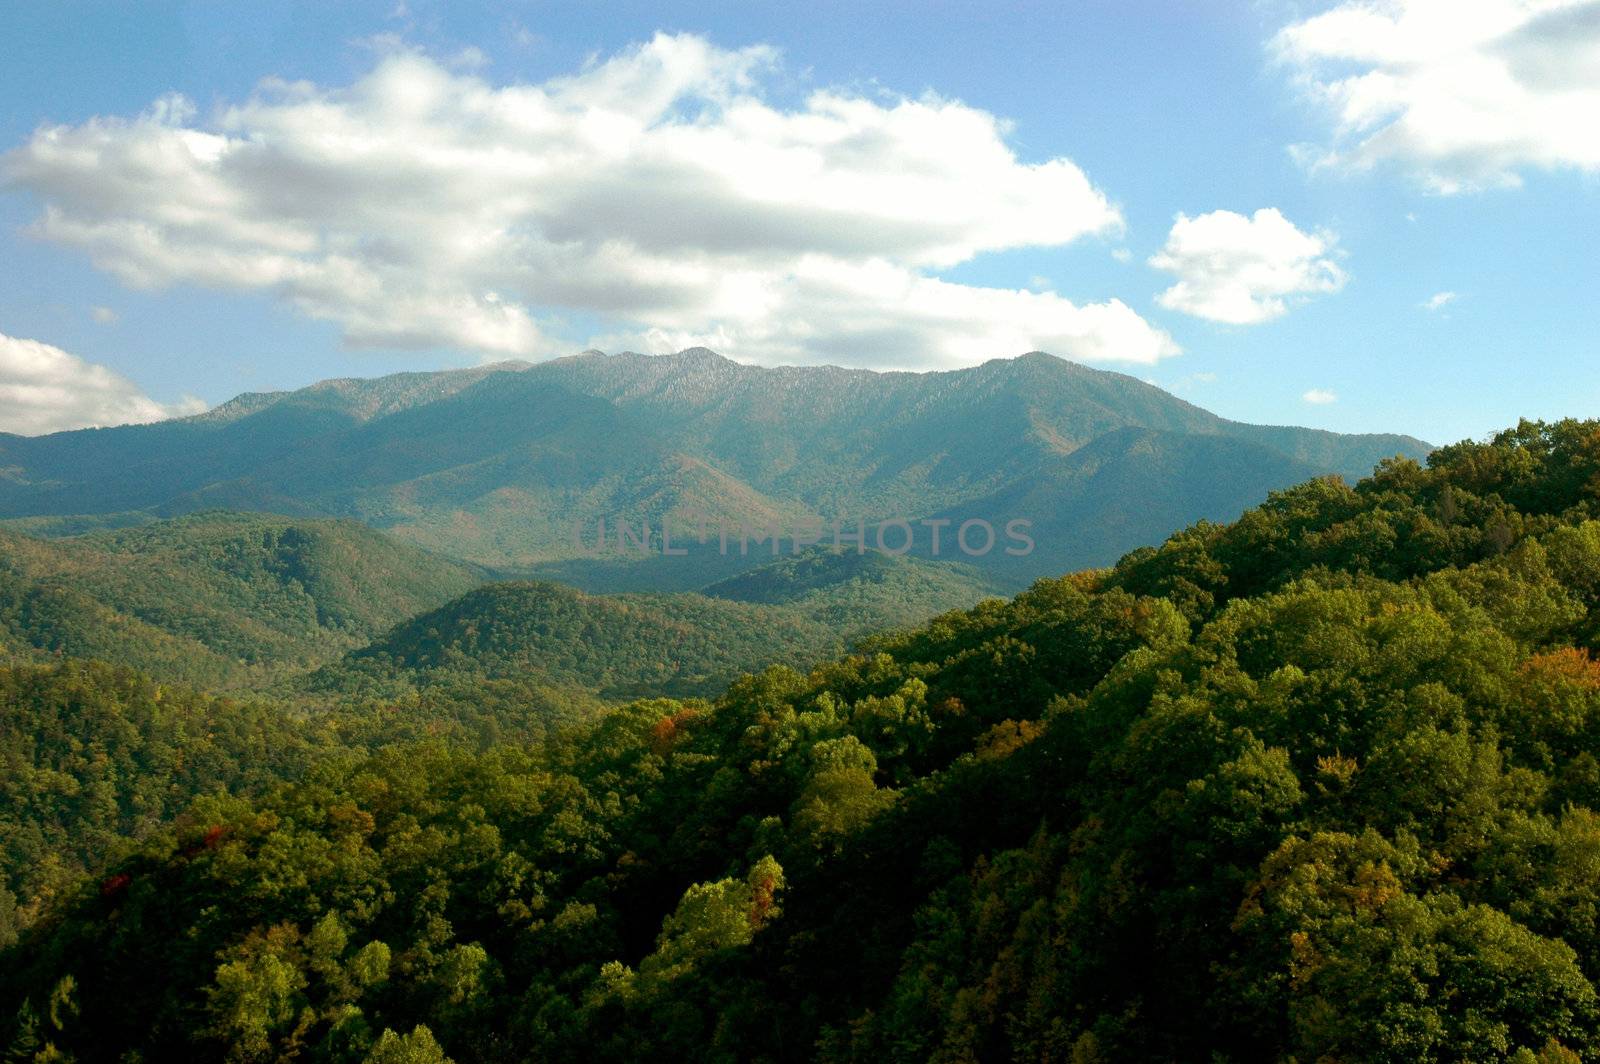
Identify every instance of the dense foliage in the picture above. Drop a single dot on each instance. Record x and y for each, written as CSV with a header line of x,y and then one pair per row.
x,y
1318,785
96,756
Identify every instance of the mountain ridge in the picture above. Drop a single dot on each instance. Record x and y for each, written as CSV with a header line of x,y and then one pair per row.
x,y
497,464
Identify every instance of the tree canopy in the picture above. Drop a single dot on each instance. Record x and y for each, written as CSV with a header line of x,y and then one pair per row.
x,y
1317,785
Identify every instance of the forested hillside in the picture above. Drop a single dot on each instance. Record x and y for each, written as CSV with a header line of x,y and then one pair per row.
x,y
215,599
1316,785
560,645
612,645
96,758
853,592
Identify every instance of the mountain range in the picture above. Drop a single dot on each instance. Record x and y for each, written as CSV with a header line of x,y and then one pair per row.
x,y
515,466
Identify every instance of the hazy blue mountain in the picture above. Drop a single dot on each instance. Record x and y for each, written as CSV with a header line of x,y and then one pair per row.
x,y
503,464
1130,485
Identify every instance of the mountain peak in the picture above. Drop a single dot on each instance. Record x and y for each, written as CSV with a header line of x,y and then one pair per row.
x,y
496,466
702,356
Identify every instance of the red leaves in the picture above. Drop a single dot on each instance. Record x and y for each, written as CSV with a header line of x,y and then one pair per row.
x,y
209,841
762,900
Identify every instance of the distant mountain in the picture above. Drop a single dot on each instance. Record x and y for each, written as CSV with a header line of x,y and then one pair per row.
x,y
357,397
1130,485
222,599
502,465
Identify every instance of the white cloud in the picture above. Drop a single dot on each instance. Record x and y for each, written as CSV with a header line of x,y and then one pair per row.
x,y
44,389
1241,270
1320,397
1437,300
1464,95
104,315
877,314
656,191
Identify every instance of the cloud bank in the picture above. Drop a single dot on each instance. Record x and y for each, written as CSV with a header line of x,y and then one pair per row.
x,y
657,192
1463,95
1243,270
45,389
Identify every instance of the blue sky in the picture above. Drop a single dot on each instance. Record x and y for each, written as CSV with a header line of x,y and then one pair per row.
x,y
1325,201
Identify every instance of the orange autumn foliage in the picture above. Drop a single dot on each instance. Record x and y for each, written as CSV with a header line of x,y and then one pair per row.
x,y
666,731
1569,664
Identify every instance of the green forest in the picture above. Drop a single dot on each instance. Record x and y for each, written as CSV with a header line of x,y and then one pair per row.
x,y
1319,784
214,599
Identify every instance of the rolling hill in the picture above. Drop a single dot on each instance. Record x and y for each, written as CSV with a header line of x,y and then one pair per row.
x,y
617,646
556,642
249,601
223,599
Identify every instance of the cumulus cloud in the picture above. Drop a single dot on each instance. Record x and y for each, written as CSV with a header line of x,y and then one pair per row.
x,y
104,315
876,314
657,191
45,389
1464,95
1243,270
1320,397
1437,300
